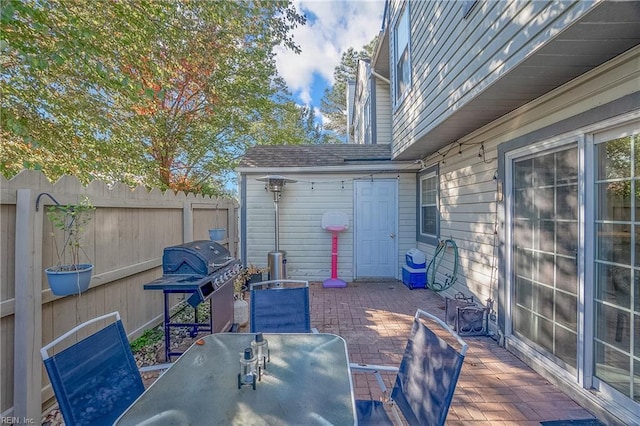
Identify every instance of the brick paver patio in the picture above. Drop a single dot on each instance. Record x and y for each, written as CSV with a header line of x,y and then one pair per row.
x,y
494,387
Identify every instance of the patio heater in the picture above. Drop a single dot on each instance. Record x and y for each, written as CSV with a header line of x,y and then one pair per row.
x,y
276,259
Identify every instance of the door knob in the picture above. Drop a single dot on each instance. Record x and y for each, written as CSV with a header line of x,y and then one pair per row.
x,y
392,235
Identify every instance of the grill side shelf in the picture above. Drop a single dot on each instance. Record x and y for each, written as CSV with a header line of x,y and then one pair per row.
x,y
216,288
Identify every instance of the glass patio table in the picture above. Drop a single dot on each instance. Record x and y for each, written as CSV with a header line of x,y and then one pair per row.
x,y
306,382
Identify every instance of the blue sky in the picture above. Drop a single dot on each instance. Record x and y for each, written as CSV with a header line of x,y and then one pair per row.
x,y
332,27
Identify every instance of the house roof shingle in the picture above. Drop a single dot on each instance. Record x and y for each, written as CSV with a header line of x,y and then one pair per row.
x,y
315,155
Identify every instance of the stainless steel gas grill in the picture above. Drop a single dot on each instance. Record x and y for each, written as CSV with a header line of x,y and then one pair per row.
x,y
205,270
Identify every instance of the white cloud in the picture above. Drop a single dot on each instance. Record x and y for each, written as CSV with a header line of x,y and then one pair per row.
x,y
332,27
320,117
305,96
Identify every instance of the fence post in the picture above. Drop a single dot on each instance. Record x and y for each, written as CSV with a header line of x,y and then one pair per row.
x,y
187,222
27,377
232,227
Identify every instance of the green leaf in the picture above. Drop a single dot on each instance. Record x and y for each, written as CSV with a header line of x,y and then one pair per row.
x,y
166,93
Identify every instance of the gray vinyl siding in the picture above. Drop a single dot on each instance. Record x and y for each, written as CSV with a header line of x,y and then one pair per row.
x,y
406,217
454,59
308,246
351,85
382,115
362,94
467,216
468,191
369,87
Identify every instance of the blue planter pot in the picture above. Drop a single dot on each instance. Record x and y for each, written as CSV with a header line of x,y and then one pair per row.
x,y
217,234
65,283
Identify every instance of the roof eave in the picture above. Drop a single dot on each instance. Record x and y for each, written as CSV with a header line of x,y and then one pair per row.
x,y
396,166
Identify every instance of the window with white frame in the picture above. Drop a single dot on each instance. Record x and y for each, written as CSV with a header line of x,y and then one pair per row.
x,y
428,229
616,322
573,218
402,55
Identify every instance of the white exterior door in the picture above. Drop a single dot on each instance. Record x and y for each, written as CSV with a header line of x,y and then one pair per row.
x,y
376,227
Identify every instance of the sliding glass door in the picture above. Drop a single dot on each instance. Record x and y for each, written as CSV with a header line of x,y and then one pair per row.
x,y
545,217
573,215
617,261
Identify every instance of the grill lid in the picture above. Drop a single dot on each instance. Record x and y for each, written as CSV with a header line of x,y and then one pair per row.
x,y
195,258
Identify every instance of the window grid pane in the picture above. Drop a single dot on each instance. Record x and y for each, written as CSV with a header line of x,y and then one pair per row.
x,y
617,277
545,267
402,61
428,205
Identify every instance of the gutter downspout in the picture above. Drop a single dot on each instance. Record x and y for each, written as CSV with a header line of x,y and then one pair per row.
x,y
375,74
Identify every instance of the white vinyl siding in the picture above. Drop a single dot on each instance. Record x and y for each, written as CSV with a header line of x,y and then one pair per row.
x,y
301,206
383,113
372,109
361,114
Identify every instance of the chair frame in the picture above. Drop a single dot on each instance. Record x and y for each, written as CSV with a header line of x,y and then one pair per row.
x,y
276,285
377,369
44,351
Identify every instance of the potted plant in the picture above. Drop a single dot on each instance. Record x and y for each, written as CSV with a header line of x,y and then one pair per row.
x,y
69,275
240,306
240,285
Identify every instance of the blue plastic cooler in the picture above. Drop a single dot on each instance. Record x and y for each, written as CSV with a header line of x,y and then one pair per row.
x,y
414,273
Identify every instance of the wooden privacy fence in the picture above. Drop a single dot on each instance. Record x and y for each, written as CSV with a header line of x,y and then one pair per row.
x,y
124,240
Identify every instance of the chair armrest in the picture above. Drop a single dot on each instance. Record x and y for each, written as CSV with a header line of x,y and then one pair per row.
x,y
375,369
155,367
279,283
372,367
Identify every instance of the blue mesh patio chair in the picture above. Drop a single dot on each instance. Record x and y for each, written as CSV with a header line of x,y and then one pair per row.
x,y
280,306
425,381
96,379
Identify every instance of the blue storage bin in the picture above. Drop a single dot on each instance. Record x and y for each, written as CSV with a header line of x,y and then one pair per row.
x,y
414,278
416,259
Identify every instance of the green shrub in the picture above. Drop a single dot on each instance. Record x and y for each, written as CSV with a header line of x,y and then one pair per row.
x,y
149,338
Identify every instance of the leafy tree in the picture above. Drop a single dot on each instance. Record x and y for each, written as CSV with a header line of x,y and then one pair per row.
x,y
142,91
334,102
288,124
217,81
58,69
